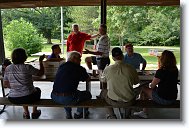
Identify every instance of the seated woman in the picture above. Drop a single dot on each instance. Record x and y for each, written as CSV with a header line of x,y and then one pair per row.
x,y
56,50
166,78
18,77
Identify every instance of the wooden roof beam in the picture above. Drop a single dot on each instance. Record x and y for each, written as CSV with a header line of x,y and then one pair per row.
x,y
52,3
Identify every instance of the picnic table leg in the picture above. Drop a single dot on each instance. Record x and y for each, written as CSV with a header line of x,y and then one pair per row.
x,y
88,88
120,114
84,111
124,113
3,92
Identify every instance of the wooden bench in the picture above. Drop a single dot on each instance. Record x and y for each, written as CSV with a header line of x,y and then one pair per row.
x,y
93,103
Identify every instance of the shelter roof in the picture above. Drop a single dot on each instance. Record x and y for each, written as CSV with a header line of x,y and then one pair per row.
x,y
5,4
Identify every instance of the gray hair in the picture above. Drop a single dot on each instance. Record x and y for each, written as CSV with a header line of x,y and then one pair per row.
x,y
73,25
72,55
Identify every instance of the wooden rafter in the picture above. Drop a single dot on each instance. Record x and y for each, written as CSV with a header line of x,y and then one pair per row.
x,y
51,3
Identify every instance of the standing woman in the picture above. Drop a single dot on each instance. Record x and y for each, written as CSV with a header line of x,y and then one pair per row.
x,y
166,78
18,77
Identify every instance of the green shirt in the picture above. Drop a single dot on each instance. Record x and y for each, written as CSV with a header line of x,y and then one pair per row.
x,y
120,78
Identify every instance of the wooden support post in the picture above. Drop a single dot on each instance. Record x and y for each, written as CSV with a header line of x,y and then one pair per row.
x,y
88,86
2,50
103,11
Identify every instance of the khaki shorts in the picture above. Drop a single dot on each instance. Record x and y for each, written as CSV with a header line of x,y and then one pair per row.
x,y
115,103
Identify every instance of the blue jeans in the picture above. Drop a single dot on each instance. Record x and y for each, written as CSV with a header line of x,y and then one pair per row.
x,y
100,62
156,98
72,100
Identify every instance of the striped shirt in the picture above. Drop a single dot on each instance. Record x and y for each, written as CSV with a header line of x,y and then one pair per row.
x,y
20,79
103,46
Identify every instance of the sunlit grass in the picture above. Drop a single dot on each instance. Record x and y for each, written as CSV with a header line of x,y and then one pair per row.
x,y
143,50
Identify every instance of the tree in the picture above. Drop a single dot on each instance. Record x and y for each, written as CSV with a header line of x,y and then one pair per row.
x,y
144,25
46,19
85,16
20,33
164,27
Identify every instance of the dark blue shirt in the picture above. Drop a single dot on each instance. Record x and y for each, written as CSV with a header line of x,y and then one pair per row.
x,y
68,76
53,56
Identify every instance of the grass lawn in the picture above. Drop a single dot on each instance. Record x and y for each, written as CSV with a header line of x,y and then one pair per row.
x,y
143,50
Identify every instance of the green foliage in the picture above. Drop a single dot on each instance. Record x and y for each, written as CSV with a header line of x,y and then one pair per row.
x,y
85,16
47,19
20,33
164,30
144,25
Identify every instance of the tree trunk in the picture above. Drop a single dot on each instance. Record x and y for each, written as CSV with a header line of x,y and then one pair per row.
x,y
49,41
122,45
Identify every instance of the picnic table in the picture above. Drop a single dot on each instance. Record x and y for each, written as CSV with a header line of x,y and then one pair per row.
x,y
41,53
42,78
144,77
157,52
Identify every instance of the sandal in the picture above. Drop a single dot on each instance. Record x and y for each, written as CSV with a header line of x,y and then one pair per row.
x,y
36,114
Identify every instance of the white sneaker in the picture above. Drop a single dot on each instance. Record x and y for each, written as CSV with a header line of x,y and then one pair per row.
x,y
141,114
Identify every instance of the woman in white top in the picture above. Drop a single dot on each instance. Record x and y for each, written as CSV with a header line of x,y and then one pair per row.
x,y
18,77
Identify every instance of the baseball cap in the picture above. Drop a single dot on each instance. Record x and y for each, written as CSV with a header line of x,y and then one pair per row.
x,y
116,52
128,45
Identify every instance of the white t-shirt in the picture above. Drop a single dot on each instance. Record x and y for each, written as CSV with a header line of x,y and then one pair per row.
x,y
20,79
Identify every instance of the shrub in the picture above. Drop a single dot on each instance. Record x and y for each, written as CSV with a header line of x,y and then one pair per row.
x,y
20,33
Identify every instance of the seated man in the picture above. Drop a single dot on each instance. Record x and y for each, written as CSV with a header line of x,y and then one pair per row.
x,y
66,82
56,50
134,59
120,78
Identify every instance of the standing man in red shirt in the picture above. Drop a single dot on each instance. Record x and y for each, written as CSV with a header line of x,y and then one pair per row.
x,y
76,39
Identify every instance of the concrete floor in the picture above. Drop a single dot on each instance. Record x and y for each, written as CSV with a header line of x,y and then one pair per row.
x,y
15,112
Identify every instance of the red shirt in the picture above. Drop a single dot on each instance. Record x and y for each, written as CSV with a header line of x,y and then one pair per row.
x,y
75,42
